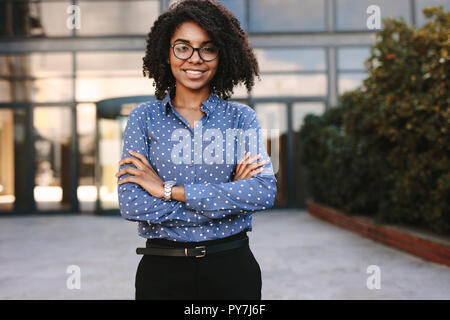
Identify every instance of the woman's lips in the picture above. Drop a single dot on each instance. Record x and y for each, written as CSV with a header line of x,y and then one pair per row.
x,y
194,74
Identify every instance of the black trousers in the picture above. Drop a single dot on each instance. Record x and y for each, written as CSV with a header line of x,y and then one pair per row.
x,y
231,274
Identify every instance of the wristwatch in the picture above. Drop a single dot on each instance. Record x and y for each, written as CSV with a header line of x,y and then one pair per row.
x,y
168,189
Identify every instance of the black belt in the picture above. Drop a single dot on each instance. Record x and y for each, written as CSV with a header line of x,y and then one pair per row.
x,y
198,252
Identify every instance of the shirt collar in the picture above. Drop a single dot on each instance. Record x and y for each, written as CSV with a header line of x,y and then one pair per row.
x,y
208,106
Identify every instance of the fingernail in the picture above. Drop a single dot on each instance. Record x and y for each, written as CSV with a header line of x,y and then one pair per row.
x,y
131,151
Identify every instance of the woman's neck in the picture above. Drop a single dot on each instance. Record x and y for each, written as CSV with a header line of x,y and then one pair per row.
x,y
189,99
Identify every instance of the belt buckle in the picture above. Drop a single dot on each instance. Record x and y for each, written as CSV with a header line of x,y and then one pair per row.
x,y
203,251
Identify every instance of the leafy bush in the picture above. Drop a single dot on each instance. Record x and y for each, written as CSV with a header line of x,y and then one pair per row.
x,y
385,149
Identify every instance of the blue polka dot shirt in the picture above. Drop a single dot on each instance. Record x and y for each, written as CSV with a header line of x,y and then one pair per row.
x,y
203,159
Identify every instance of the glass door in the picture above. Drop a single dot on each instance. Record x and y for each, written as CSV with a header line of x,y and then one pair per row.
x,y
281,122
299,111
7,156
112,116
53,159
110,133
272,117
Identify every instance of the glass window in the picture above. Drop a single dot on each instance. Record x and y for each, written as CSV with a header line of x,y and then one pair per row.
x,y
37,18
352,15
287,16
301,109
53,17
350,81
291,59
40,90
117,17
239,10
6,93
97,88
45,77
421,4
52,90
50,64
109,64
36,65
102,75
352,58
290,85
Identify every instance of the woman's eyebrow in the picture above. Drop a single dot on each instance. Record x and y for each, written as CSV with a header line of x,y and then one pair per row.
x,y
183,40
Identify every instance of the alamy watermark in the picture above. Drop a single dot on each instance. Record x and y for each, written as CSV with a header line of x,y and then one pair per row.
x,y
221,146
374,20
74,280
374,280
74,20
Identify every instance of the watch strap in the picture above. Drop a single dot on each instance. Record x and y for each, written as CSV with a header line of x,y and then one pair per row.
x,y
168,190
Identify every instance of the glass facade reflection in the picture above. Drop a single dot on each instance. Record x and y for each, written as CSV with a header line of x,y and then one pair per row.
x,y
350,67
352,15
291,59
286,15
96,17
66,92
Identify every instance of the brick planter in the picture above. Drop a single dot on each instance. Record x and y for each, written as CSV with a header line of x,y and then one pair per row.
x,y
423,248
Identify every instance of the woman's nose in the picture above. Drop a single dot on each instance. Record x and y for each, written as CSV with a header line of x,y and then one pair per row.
x,y
195,56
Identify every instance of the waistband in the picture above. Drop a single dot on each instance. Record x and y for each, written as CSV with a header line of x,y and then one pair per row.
x,y
178,244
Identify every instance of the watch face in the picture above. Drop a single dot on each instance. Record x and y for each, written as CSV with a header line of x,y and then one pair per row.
x,y
169,183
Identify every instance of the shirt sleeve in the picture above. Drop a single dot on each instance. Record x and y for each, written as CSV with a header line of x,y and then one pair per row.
x,y
217,200
135,203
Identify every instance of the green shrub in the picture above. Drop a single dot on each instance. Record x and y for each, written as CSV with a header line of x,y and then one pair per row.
x,y
385,149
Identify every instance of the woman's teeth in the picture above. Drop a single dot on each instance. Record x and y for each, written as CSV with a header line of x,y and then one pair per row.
x,y
194,72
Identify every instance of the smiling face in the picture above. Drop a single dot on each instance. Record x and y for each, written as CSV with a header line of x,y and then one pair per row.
x,y
193,73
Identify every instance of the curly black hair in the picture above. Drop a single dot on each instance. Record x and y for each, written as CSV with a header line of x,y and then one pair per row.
x,y
237,61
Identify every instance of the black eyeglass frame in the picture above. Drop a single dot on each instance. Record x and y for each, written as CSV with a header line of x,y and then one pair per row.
x,y
193,50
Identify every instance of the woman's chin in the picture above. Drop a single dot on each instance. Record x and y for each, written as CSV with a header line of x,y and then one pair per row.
x,y
195,86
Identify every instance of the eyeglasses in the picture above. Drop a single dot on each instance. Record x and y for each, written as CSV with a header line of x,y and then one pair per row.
x,y
184,51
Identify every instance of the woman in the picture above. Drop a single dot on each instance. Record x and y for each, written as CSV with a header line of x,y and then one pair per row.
x,y
179,176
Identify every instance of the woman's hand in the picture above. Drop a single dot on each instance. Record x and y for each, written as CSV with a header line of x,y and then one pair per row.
x,y
143,174
245,169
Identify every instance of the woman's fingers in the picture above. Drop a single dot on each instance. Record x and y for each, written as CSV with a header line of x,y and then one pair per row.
x,y
129,170
249,170
243,158
248,162
245,168
138,164
139,160
240,163
127,179
141,157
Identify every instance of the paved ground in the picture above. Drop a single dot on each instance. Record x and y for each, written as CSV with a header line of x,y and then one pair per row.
x,y
301,257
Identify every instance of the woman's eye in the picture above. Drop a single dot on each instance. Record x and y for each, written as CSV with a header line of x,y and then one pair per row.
x,y
210,49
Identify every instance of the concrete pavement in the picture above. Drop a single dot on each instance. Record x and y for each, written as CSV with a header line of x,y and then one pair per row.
x,y
300,256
